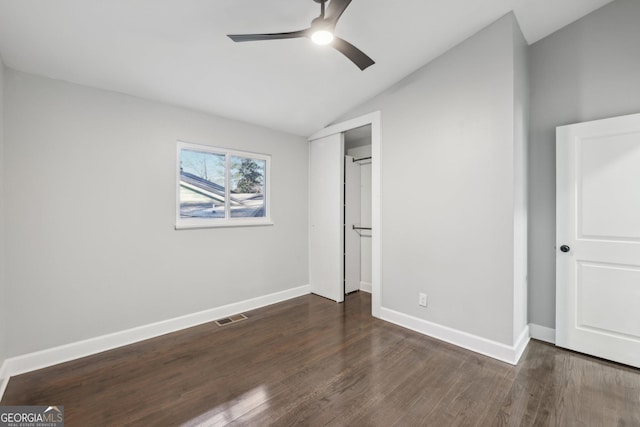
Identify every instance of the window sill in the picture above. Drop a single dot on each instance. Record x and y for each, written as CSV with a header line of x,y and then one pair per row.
x,y
225,224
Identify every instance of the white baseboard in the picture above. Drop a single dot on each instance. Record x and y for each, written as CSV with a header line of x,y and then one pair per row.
x,y
64,353
494,349
542,333
521,344
365,287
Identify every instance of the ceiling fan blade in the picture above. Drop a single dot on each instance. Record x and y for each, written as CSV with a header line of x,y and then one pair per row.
x,y
356,56
335,10
272,36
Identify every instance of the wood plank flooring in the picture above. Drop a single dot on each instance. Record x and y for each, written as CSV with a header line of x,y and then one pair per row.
x,y
310,361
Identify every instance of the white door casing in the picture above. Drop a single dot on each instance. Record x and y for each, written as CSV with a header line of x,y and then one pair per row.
x,y
326,177
352,217
598,220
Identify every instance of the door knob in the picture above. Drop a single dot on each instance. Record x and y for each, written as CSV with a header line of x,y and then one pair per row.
x,y
565,248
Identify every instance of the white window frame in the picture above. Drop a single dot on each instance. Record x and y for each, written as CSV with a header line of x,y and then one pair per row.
x,y
227,221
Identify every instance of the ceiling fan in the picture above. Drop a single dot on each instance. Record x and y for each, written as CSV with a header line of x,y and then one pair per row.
x,y
320,32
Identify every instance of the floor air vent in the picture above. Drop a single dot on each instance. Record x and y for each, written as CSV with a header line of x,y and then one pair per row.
x,y
231,319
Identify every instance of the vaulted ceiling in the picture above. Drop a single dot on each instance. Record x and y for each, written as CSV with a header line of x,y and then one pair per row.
x,y
176,51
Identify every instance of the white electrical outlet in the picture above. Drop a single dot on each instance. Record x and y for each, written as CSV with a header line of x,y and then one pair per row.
x,y
422,299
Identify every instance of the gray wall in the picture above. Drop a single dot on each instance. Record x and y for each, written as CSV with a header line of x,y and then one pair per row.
x,y
520,144
588,70
447,159
3,298
90,211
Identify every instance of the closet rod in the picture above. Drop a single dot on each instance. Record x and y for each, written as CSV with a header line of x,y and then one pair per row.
x,y
363,158
360,228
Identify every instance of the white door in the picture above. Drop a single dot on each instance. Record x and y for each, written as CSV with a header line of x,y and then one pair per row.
x,y
326,177
598,238
352,192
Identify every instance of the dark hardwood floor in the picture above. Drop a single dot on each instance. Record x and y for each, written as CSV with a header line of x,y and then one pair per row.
x,y
309,361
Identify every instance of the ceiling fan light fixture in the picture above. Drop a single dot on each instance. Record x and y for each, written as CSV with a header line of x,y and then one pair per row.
x,y
322,37
320,32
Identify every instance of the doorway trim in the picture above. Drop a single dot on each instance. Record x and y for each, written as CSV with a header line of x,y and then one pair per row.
x,y
375,120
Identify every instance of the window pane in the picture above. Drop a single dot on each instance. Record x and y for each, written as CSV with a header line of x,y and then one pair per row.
x,y
247,178
202,192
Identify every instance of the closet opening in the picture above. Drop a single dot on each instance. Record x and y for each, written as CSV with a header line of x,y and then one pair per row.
x,y
357,223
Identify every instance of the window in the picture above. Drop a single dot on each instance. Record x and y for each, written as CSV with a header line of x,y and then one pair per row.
x,y
217,187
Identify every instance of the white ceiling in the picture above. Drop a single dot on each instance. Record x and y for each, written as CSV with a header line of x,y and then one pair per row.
x,y
176,51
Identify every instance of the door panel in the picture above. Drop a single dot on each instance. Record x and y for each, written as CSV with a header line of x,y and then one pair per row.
x,y
609,162
326,178
608,285
598,218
